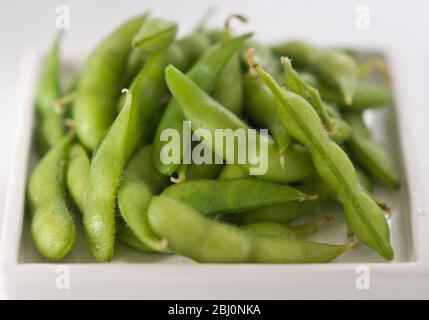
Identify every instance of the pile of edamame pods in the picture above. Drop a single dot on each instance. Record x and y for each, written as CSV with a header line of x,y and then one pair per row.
x,y
100,144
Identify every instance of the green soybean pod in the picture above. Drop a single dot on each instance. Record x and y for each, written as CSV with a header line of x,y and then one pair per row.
x,y
193,100
273,229
204,73
338,130
104,178
232,171
334,67
135,61
193,47
259,105
228,91
127,236
222,243
264,56
52,227
220,196
99,84
78,182
363,215
155,34
199,171
77,175
148,89
364,180
368,95
50,127
370,155
283,212
300,52
139,183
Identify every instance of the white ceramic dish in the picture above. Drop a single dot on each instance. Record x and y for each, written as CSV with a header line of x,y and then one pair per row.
x,y
136,275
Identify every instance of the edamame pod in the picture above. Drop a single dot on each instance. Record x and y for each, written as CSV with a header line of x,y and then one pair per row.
x,y
193,100
155,34
104,177
204,73
232,171
130,239
370,155
50,127
222,243
334,67
148,89
338,130
283,212
78,183
140,182
300,52
220,196
52,227
363,215
193,46
368,95
259,105
99,84
273,229
77,175
228,91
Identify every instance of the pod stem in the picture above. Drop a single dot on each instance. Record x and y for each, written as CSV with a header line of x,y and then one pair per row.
x,y
163,245
62,103
181,174
385,207
70,123
236,16
310,197
128,96
325,220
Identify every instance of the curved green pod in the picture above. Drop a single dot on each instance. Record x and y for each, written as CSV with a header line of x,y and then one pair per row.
x,y
77,175
139,183
104,178
338,130
52,227
335,68
220,196
204,73
127,236
50,127
370,155
274,229
148,90
155,34
259,105
193,47
222,243
192,100
283,212
100,83
78,183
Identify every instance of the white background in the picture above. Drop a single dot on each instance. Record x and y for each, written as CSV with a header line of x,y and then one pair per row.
x,y
402,24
